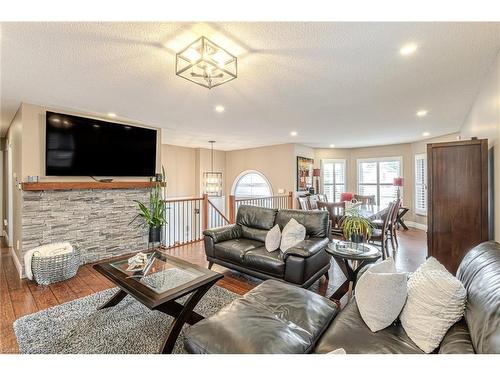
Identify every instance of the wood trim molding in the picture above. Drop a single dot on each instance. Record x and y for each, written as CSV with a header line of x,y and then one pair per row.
x,y
40,186
413,224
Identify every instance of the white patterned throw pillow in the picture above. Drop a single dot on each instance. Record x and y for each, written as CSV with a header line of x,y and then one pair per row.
x,y
436,300
273,238
292,234
381,294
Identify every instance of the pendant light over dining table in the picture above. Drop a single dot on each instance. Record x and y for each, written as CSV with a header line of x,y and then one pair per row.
x,y
212,181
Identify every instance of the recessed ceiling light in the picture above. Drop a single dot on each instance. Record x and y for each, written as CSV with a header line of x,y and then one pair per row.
x,y
111,114
332,146
422,113
219,108
408,49
426,134
294,133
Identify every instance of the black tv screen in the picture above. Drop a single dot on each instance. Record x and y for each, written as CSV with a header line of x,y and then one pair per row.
x,y
79,146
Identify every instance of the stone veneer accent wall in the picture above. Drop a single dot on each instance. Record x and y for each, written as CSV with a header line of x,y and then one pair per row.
x,y
96,220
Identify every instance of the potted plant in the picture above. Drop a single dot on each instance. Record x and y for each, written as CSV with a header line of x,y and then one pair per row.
x,y
356,227
153,213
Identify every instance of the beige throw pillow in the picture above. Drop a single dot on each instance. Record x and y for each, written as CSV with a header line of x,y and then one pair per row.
x,y
273,238
292,234
436,301
381,294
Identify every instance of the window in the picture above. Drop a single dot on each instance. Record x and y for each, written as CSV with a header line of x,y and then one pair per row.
x,y
376,177
420,184
334,178
250,184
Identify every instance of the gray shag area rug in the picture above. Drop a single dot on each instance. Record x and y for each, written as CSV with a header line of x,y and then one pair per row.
x,y
77,327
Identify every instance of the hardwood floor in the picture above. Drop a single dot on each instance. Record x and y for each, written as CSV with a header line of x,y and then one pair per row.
x,y
20,297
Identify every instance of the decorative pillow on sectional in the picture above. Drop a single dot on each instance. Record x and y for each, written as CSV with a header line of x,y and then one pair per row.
x,y
273,238
381,294
436,300
292,234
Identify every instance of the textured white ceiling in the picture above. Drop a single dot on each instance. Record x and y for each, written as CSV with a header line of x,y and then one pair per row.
x,y
340,83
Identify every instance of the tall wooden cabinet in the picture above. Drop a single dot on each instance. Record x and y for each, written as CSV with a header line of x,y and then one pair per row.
x,y
457,216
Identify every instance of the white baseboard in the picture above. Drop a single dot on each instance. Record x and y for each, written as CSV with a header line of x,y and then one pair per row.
x,y
17,263
415,225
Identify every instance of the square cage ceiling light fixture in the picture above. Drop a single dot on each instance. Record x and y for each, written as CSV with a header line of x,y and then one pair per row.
x,y
206,64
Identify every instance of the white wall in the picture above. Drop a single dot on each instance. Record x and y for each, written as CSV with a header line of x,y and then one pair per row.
x,y
14,141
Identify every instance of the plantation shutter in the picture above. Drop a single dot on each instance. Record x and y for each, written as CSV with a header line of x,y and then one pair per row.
x,y
420,184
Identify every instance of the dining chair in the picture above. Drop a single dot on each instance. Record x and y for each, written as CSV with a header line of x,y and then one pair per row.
x,y
313,202
366,200
322,198
393,226
303,203
336,211
382,234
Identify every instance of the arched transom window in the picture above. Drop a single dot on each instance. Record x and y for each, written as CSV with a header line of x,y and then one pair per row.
x,y
251,184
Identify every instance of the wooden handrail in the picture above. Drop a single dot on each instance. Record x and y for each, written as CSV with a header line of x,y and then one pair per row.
x,y
218,211
259,198
171,200
234,202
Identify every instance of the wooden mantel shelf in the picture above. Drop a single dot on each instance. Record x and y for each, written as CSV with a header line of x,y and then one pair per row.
x,y
40,186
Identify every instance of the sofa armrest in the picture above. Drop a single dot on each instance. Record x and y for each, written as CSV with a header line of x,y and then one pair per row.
x,y
306,248
225,233
457,340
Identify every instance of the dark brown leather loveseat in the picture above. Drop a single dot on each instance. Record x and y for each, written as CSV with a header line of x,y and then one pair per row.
x,y
279,318
241,246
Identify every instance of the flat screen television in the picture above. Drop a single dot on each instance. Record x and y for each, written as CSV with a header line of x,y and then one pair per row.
x,y
79,146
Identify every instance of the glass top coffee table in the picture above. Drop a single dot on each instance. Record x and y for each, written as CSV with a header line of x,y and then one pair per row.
x,y
159,285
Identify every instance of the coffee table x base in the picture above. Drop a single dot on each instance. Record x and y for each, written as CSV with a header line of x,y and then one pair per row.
x,y
351,274
350,263
160,287
182,313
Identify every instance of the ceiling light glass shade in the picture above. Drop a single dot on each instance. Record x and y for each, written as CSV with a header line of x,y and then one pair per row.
x,y
212,184
206,64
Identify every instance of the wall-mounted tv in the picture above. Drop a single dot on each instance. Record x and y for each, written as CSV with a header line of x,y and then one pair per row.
x,y
79,146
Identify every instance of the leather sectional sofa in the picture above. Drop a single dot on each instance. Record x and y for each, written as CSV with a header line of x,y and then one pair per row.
x,y
280,318
241,246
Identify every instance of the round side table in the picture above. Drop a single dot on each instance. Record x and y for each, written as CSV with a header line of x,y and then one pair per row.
x,y
350,260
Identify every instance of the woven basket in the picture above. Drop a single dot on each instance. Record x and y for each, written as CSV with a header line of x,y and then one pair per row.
x,y
48,270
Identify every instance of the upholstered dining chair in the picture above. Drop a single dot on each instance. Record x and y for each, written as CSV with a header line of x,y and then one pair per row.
x,y
346,197
382,234
303,203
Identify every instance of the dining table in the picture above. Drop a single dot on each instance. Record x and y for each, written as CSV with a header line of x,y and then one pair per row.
x,y
369,211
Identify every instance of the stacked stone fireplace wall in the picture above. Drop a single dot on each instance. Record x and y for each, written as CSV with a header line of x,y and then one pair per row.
x,y
98,221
